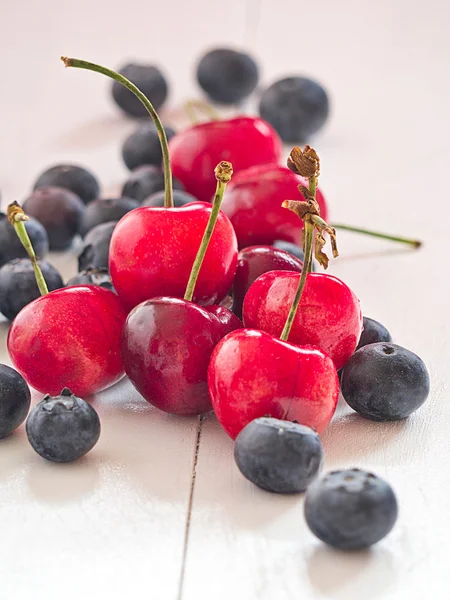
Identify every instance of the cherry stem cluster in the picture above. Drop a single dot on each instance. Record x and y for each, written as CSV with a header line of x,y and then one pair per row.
x,y
223,172
82,64
17,218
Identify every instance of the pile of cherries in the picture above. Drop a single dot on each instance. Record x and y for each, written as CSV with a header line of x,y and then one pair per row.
x,y
204,305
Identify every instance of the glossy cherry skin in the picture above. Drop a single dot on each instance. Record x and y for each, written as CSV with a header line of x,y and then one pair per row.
x,y
253,262
243,141
329,315
253,203
166,346
227,320
69,338
153,249
253,374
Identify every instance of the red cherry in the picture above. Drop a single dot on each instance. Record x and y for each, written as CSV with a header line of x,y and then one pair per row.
x,y
153,249
252,374
227,320
69,338
253,262
166,346
253,203
243,141
329,315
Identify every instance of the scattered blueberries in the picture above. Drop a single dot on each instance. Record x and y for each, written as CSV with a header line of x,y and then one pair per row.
x,y
145,181
351,509
76,179
63,428
10,245
15,398
104,210
373,332
92,277
18,285
180,198
296,107
385,382
95,251
143,147
149,80
227,76
278,456
59,211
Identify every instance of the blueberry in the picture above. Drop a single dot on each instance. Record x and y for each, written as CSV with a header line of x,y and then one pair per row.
x,y
95,251
293,249
76,179
149,80
10,245
351,509
63,428
385,382
18,285
180,198
278,456
145,181
59,211
227,76
373,332
104,210
296,107
143,147
92,277
15,400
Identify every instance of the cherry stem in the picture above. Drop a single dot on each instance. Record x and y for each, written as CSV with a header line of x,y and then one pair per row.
x,y
385,236
192,106
223,171
17,218
82,64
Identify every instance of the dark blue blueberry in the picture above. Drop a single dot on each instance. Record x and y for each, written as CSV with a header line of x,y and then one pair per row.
x,y
15,400
149,80
180,198
95,251
278,456
293,249
143,146
373,332
18,285
92,277
385,382
296,107
59,211
76,179
145,181
104,210
63,428
227,76
351,509
10,245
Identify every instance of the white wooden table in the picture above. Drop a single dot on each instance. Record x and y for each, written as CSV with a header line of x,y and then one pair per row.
x,y
122,523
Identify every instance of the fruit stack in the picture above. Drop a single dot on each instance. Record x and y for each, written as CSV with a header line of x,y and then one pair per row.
x,y
204,305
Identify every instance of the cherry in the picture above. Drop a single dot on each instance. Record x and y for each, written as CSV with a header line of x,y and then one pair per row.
x,y
244,141
228,321
253,204
252,374
329,314
253,262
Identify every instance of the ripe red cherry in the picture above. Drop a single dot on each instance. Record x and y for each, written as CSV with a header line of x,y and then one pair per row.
x,y
69,338
252,374
166,346
253,203
243,141
153,249
253,262
227,320
329,315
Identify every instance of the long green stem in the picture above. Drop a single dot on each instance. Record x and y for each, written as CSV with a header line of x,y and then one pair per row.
x,y
385,236
82,64
191,106
223,172
17,219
